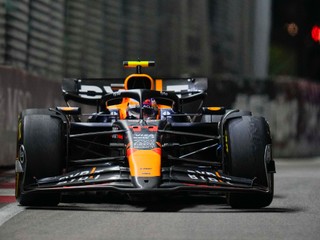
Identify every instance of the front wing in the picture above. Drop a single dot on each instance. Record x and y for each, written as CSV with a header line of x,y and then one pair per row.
x,y
118,179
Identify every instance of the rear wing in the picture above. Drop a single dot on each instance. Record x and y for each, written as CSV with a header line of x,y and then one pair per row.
x,y
90,90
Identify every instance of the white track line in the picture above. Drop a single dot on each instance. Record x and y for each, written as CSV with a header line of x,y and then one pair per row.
x,y
7,192
9,211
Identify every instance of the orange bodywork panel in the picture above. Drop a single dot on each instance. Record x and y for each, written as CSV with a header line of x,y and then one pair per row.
x,y
158,84
122,107
144,163
141,77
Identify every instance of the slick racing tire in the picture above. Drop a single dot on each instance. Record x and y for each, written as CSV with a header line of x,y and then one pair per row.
x,y
247,138
40,153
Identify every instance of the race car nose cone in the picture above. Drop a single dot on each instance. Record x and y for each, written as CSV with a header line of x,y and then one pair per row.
x,y
146,182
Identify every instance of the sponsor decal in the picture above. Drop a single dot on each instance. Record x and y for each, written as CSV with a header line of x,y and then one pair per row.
x,y
144,137
207,176
80,176
143,141
164,94
177,88
93,91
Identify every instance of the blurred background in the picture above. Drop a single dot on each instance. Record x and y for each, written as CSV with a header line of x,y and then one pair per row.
x,y
263,56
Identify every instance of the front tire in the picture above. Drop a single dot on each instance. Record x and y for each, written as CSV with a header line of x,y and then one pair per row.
x,y
247,140
40,152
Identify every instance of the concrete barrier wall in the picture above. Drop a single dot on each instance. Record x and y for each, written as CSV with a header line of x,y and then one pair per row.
x,y
291,107
20,90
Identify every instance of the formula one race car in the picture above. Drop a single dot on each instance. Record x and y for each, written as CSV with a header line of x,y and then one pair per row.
x,y
139,140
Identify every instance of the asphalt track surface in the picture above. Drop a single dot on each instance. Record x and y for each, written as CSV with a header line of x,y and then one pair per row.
x,y
294,214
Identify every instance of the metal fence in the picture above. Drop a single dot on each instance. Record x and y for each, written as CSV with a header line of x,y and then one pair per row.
x,y
33,35
77,38
64,38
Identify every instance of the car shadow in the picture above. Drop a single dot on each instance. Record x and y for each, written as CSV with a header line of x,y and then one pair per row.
x,y
165,204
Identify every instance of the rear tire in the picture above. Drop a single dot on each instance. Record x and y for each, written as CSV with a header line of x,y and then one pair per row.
x,y
40,152
247,138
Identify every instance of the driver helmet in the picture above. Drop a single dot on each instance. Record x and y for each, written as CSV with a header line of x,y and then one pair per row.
x,y
149,109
